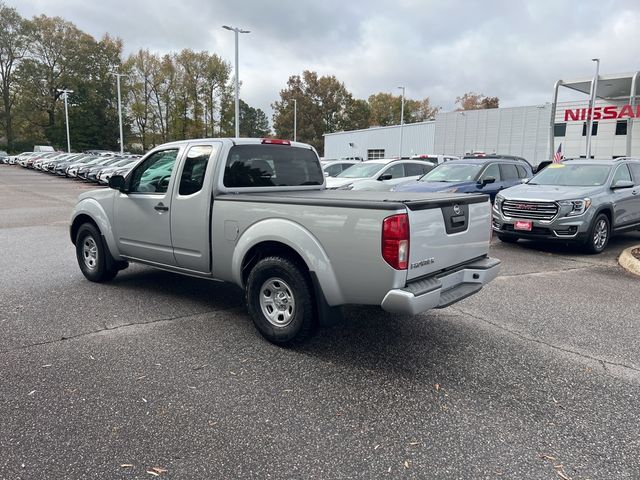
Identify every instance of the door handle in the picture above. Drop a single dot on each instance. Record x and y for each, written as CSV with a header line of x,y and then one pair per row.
x,y
161,208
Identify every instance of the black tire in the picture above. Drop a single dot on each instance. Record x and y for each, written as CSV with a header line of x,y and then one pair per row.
x,y
507,238
91,254
595,242
293,316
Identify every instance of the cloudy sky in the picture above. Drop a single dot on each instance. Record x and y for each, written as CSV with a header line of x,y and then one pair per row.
x,y
515,50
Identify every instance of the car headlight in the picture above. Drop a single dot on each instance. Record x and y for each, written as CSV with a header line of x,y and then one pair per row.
x,y
498,202
578,207
451,190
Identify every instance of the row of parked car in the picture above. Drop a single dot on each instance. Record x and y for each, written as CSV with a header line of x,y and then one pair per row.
x,y
475,173
578,201
92,166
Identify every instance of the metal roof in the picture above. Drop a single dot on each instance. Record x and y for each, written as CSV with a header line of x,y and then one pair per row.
x,y
610,87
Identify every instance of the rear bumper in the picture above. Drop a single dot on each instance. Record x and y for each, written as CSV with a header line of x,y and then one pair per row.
x,y
442,290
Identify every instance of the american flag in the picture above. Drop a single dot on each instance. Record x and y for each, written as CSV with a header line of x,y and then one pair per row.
x,y
557,158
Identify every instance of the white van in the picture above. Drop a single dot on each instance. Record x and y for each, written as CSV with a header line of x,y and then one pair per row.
x,y
43,148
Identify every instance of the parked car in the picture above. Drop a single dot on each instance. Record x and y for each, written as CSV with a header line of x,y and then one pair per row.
x,y
122,171
382,174
255,212
83,172
105,173
435,159
4,157
21,159
578,201
475,175
334,167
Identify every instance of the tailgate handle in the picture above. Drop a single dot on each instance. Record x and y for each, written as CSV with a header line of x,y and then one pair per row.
x,y
458,220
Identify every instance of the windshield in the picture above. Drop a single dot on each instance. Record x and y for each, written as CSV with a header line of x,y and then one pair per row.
x,y
453,172
572,175
361,170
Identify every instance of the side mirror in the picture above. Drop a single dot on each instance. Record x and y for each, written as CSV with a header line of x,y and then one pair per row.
x,y
525,180
622,184
385,176
487,180
117,182
326,174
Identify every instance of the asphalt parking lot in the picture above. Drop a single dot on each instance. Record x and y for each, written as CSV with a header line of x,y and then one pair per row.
x,y
537,376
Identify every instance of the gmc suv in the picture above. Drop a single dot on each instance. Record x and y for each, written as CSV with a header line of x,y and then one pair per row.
x,y
580,201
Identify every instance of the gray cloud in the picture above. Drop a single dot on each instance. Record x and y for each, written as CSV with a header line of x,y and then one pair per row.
x,y
513,50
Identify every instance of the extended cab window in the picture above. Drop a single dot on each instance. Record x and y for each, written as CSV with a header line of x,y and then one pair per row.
x,y
271,166
195,166
153,174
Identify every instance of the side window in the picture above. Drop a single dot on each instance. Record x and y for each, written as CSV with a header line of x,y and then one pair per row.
x,y
195,166
396,171
522,172
622,173
334,170
635,169
412,169
508,171
492,170
153,174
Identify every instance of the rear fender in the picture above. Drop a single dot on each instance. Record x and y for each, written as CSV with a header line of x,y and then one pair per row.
x,y
299,239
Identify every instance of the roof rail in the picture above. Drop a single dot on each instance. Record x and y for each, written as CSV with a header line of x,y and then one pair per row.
x,y
617,159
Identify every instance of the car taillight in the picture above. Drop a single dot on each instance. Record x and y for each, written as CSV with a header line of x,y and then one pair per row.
x,y
275,141
395,241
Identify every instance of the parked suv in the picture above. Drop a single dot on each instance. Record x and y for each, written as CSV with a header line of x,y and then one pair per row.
x,y
472,175
581,201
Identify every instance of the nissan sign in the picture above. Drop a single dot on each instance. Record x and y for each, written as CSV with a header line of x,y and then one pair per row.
x,y
609,112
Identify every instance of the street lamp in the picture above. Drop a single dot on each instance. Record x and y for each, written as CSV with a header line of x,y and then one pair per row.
x,y
295,119
118,75
592,103
237,31
401,119
65,94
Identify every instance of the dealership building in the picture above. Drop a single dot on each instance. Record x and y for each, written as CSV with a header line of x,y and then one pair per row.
x,y
534,132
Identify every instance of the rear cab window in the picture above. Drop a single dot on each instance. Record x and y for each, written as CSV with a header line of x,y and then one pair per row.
x,y
271,166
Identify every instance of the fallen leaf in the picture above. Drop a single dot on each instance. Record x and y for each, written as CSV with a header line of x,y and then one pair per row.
x,y
46,366
151,472
548,457
144,400
232,373
91,357
31,393
562,475
415,443
126,465
406,464
376,447
437,387
159,470
141,377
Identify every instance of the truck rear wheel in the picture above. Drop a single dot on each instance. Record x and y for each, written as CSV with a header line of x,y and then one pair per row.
x,y
92,255
280,301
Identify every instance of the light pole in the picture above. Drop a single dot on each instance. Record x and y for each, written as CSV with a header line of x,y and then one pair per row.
x,y
118,75
592,103
65,94
401,119
237,31
295,119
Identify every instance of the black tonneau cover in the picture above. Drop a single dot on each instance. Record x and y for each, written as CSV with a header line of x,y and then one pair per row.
x,y
359,199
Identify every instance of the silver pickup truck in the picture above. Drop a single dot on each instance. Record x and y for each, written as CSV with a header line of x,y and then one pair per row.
x,y
255,212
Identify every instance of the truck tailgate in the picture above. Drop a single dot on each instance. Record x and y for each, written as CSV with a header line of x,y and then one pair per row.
x,y
447,233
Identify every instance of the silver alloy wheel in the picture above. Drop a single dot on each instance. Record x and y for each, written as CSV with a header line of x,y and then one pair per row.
x,y
277,302
600,234
90,252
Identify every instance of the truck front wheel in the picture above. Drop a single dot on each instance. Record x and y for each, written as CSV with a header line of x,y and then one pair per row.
x,y
92,255
280,301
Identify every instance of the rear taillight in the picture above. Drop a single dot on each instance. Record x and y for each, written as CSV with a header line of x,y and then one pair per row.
x,y
275,141
395,241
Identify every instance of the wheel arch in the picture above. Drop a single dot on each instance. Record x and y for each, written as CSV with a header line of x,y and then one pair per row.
x,y
89,210
288,238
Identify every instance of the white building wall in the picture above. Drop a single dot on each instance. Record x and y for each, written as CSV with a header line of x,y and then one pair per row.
x,y
521,131
417,138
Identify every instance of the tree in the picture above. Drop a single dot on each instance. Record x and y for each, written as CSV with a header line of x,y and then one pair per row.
x,y
13,47
386,109
323,105
253,122
475,101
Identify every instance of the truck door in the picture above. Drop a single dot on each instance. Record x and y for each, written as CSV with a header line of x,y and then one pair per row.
x,y
191,206
142,216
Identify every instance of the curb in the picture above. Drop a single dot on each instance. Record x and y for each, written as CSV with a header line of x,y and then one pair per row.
x,y
628,261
